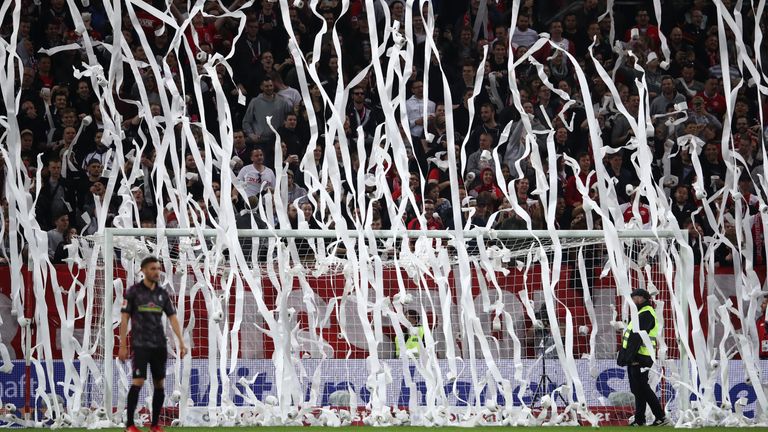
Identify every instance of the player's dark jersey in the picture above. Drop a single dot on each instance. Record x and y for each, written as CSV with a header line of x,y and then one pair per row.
x,y
146,308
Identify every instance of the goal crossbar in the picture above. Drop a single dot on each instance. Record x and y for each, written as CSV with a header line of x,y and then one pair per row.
x,y
446,234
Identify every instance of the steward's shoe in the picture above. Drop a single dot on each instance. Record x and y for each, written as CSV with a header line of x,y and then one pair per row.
x,y
661,422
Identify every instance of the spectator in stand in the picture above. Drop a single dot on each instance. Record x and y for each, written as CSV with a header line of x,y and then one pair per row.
x,y
585,177
432,219
749,202
55,195
700,116
695,235
288,93
713,168
590,11
546,104
524,36
488,185
669,96
483,207
415,107
293,191
28,148
556,36
622,176
91,218
465,47
622,131
29,120
362,114
257,177
522,187
686,83
100,153
91,175
483,157
652,75
290,136
248,50
746,149
84,99
267,104
471,16
682,207
572,29
488,126
708,54
644,28
694,27
240,148
144,210
466,82
499,58
713,99
57,234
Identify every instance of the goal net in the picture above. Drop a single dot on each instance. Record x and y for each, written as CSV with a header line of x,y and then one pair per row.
x,y
385,328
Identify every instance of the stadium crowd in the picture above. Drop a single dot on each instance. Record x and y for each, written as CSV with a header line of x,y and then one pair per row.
x,y
60,118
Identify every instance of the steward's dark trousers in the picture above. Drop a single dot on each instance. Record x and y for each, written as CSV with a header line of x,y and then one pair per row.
x,y
644,394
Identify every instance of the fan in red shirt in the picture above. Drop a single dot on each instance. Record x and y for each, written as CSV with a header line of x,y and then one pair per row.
x,y
572,195
206,32
644,27
488,184
148,22
643,214
750,202
433,221
414,184
441,175
713,99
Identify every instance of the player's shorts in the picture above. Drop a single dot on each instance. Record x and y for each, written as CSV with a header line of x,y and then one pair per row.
x,y
155,358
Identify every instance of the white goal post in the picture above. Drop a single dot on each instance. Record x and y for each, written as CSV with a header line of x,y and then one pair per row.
x,y
283,322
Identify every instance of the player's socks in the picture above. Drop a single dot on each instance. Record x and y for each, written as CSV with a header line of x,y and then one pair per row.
x,y
157,404
133,400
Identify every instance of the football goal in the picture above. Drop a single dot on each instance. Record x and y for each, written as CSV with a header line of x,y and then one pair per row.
x,y
389,328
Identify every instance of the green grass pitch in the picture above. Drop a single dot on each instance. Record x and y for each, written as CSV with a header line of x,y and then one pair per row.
x,y
403,429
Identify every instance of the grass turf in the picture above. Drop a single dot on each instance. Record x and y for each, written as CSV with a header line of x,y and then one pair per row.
x,y
399,429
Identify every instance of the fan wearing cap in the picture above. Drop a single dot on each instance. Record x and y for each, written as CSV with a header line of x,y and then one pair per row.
x,y
636,356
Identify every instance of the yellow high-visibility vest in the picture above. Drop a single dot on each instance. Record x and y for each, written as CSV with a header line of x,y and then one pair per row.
x,y
412,343
651,334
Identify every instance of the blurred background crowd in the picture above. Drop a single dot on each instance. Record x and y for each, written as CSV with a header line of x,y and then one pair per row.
x,y
61,125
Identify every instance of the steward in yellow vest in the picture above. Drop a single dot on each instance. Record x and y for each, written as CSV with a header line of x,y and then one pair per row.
x,y
414,336
636,356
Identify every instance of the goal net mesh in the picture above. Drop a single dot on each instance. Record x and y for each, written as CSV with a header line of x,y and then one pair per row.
x,y
421,331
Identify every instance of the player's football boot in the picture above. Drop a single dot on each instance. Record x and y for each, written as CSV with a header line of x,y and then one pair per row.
x,y
132,428
156,429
